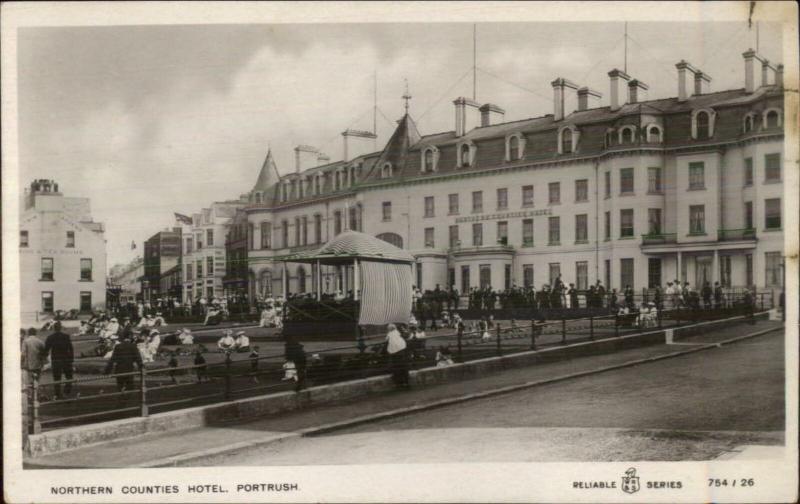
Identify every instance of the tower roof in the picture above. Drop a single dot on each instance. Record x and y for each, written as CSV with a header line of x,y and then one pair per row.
x,y
268,176
396,151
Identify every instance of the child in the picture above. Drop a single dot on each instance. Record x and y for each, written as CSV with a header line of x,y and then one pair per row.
x,y
443,357
290,371
254,364
200,361
173,363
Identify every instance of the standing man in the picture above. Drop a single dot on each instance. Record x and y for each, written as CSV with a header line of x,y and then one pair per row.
x,y
573,297
717,295
124,356
59,347
706,292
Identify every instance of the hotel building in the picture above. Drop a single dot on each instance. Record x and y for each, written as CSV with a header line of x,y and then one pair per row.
x,y
634,192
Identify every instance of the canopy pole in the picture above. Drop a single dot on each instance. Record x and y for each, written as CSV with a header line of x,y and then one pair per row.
x,y
285,281
319,281
355,279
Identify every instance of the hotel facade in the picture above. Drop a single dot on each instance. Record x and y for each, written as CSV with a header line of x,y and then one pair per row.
x,y
636,192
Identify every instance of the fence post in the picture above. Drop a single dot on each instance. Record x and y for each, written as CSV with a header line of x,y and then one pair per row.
x,y
34,424
591,327
460,335
499,347
227,376
143,388
533,334
563,330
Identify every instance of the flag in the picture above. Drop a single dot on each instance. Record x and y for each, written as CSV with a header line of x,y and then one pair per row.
x,y
183,219
133,244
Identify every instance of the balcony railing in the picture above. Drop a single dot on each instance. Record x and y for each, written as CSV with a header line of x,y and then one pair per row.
x,y
736,234
659,239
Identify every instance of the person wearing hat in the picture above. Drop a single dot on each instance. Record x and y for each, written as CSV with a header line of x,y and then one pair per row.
x,y
62,358
186,337
242,342
396,348
226,342
123,358
154,342
159,321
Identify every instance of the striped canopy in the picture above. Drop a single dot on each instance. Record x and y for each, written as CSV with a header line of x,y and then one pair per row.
x,y
351,245
385,293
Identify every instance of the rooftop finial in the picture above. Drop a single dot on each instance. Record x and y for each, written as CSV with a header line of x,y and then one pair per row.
x,y
406,96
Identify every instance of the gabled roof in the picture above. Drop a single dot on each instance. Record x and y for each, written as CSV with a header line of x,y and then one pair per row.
x,y
396,151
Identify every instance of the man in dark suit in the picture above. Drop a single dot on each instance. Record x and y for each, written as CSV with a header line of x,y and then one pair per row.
x,y
124,356
59,347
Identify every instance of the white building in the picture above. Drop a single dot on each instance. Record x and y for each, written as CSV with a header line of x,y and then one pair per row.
x,y
62,253
128,278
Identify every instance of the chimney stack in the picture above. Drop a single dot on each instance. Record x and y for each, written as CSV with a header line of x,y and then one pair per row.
x,y
779,76
637,91
491,114
749,71
702,83
560,99
615,95
467,115
585,95
683,67
305,157
765,72
356,143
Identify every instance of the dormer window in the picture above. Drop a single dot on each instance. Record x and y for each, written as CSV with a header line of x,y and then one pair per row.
x,y
258,197
466,155
772,119
749,122
567,140
386,170
627,135
430,159
703,124
654,134
515,147
609,137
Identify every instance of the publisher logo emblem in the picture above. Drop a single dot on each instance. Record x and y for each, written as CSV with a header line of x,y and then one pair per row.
x,y
630,482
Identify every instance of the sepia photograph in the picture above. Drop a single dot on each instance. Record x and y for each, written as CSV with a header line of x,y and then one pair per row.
x,y
444,252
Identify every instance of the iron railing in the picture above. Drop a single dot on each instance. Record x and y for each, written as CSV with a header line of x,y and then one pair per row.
x,y
659,238
736,234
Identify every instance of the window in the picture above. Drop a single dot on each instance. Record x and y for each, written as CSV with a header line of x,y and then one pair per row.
x,y
607,176
625,273
772,266
507,276
654,221
581,228
566,141
527,232
258,197
653,134
386,210
393,238
581,190
477,235
428,162
199,269
477,202
251,236
626,223
626,135
555,272
386,170
337,222
70,239
702,125
553,230
453,240
209,266
607,227
23,238
554,192
772,213
626,180
772,167
209,238
209,292
355,222
465,279
47,301
654,179
485,271
748,215
188,272
607,271
748,269
513,148
582,275
697,219
452,204
748,171
198,239
725,271
527,276
429,243
697,176
502,199
465,155
297,231
86,269
47,268
266,235
189,242
609,141
502,232
527,195
653,272
429,209
318,228
772,119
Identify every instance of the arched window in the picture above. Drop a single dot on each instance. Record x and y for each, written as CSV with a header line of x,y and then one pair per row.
x,y
609,138
654,134
749,122
702,126
568,139
301,280
513,148
386,170
428,161
465,155
393,238
626,135
772,119
265,283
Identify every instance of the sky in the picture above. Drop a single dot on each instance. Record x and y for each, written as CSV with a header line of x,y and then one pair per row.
x,y
150,120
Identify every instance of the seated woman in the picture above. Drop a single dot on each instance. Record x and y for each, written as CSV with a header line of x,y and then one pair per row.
x,y
444,357
153,342
226,343
242,342
159,321
186,337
